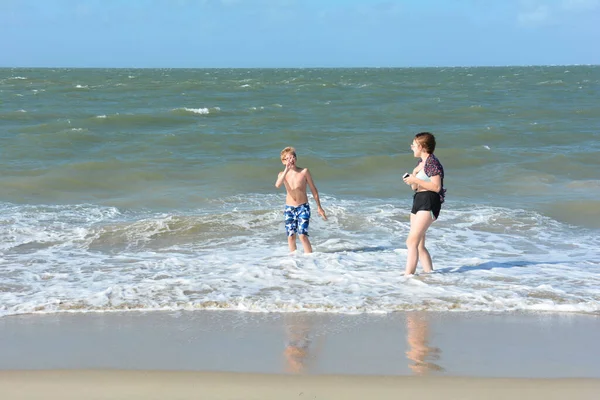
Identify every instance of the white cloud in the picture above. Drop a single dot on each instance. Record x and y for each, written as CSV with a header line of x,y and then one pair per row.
x,y
539,15
83,10
580,5
231,2
259,3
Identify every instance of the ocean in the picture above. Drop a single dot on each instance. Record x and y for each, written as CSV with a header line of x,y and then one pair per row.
x,y
153,189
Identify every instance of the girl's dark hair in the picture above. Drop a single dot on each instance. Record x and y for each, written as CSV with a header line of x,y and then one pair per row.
x,y
427,140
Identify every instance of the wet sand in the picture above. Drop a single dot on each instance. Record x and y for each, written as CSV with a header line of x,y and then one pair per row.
x,y
224,354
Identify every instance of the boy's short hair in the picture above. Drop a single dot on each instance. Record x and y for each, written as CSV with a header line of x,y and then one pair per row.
x,y
286,151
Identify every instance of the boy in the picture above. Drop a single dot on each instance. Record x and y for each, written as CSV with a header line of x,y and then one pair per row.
x,y
297,209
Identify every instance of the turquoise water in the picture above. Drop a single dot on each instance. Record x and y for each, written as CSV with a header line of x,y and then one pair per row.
x,y
154,189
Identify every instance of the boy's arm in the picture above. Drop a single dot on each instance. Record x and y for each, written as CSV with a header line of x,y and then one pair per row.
x,y
315,193
280,178
282,174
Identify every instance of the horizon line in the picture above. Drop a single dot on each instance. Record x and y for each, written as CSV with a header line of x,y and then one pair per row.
x,y
315,67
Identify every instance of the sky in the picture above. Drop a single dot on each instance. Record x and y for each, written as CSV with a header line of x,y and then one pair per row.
x,y
297,33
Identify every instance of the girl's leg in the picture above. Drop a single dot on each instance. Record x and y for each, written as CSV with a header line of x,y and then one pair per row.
x,y
424,256
419,223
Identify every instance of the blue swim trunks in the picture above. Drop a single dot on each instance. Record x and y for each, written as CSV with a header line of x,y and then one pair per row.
x,y
297,219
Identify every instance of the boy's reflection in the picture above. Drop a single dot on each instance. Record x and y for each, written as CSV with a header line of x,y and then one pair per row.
x,y
419,351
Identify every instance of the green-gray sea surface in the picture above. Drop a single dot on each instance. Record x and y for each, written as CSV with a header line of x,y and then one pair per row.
x,y
119,170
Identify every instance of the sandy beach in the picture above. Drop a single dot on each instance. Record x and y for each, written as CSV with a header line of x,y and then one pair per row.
x,y
133,385
234,355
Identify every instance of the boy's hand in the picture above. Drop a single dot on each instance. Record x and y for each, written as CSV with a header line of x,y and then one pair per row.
x,y
322,213
290,163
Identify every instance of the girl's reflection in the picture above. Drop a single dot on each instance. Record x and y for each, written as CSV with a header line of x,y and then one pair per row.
x,y
419,352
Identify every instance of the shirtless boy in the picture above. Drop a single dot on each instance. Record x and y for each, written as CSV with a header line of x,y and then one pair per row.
x,y
297,209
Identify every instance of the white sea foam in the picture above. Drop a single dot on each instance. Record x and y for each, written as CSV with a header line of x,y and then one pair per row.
x,y
233,255
197,110
201,111
551,82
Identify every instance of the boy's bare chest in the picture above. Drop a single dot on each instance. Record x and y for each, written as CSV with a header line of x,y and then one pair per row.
x,y
296,180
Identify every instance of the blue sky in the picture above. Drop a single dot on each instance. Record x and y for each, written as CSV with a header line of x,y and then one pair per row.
x,y
297,33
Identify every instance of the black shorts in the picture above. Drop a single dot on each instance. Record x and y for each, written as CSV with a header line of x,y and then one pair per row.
x,y
427,201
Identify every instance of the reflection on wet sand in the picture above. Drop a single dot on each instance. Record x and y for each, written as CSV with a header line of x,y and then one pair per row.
x,y
419,352
297,351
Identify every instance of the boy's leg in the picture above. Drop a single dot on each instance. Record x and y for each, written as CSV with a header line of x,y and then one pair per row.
x,y
305,243
303,222
292,243
291,227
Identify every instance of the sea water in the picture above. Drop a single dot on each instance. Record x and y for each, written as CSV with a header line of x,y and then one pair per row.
x,y
153,189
